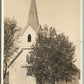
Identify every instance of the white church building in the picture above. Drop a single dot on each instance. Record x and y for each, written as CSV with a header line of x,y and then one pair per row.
x,y
17,71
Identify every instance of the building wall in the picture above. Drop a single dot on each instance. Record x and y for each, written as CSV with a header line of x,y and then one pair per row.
x,y
23,40
18,71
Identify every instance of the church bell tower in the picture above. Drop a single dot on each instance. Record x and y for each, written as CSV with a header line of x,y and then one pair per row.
x,y
32,28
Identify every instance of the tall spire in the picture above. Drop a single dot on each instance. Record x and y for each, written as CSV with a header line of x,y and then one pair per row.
x,y
33,16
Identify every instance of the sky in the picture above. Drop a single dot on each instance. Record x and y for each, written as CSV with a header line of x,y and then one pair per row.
x,y
64,15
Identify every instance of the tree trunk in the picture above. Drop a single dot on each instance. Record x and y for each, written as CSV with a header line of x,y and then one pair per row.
x,y
53,80
5,69
38,80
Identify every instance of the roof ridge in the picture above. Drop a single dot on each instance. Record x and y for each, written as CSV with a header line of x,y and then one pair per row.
x,y
18,56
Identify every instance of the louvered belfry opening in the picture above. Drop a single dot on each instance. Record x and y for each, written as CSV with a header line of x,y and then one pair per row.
x,y
29,38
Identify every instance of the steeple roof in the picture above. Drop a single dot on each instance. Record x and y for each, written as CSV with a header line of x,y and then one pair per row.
x,y
33,16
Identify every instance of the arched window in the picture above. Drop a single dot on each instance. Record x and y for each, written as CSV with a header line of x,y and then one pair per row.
x,y
29,38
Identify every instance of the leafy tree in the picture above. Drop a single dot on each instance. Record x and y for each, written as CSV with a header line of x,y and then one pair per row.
x,y
10,28
52,57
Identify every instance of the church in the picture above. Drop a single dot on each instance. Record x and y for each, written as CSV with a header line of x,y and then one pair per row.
x,y
17,73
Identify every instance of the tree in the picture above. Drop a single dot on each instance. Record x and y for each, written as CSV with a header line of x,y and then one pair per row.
x,y
52,57
10,28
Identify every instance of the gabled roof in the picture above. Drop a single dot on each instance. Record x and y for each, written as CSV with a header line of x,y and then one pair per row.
x,y
78,71
18,56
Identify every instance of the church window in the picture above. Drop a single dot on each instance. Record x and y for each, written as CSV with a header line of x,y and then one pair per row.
x,y
29,38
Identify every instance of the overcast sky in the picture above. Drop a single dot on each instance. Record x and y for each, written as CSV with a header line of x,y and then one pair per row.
x,y
62,14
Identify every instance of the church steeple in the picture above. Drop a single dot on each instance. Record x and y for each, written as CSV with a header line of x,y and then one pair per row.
x,y
33,16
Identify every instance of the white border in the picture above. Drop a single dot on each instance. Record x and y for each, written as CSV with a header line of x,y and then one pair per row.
x,y
81,41
2,39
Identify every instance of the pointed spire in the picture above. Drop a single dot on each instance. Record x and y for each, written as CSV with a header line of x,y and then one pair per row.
x,y
33,16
